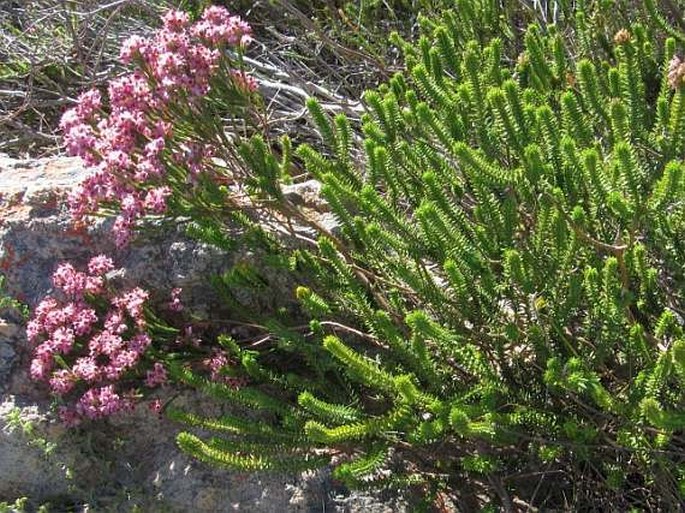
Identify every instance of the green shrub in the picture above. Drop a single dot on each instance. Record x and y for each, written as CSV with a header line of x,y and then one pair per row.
x,y
503,294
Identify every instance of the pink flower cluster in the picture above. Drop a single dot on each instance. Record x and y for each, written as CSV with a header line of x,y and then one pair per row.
x,y
216,363
175,305
81,344
127,147
218,27
244,81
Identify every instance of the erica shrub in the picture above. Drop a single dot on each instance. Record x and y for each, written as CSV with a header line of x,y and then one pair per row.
x,y
158,135
155,133
90,341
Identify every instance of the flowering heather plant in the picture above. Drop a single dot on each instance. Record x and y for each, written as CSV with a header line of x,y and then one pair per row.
x,y
99,349
90,341
160,128
157,137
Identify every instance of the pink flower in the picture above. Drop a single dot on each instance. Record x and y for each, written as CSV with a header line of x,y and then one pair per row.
x,y
219,27
80,140
46,306
155,406
99,402
93,284
63,340
86,368
122,230
216,15
175,305
244,81
118,161
70,119
131,205
115,321
45,352
33,329
56,318
133,301
83,320
100,265
89,103
155,199
106,343
95,338
41,367
130,92
157,376
176,66
81,201
175,20
69,280
216,363
149,166
155,147
125,359
131,48
140,343
169,68
113,372
62,381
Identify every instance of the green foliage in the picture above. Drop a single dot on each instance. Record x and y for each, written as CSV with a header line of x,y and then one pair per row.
x,y
19,506
503,289
10,303
30,432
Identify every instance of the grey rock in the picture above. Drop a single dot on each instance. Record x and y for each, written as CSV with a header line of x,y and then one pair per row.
x,y
9,336
132,460
25,468
330,223
306,193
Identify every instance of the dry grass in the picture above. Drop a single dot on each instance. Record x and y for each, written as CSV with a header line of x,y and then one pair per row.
x,y
52,49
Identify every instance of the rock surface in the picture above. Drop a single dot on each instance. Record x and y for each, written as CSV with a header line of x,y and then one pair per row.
x,y
129,462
